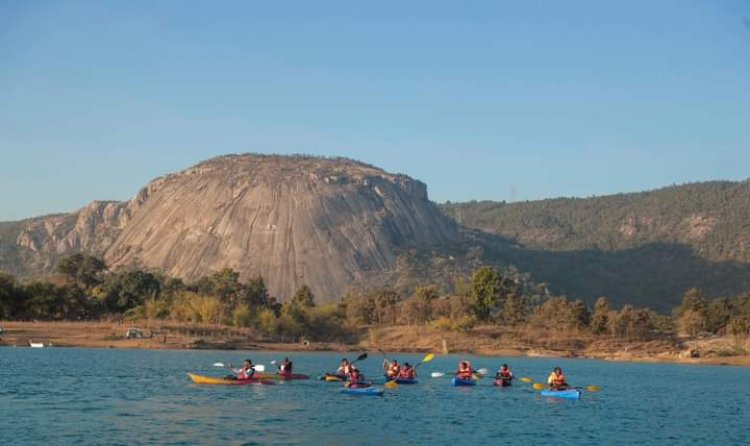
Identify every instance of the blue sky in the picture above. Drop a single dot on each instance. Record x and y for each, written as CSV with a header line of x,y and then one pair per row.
x,y
480,100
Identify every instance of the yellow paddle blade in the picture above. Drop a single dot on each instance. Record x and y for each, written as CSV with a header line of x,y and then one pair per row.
x,y
539,386
391,385
593,388
527,380
428,358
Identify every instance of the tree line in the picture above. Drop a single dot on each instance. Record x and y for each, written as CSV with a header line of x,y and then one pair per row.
x,y
83,289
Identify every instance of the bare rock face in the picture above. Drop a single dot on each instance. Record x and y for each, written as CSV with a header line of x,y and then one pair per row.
x,y
327,223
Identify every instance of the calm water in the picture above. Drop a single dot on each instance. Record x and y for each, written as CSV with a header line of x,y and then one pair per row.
x,y
78,396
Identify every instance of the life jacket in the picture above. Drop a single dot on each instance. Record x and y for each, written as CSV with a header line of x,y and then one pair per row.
x,y
354,378
506,374
406,373
556,380
246,373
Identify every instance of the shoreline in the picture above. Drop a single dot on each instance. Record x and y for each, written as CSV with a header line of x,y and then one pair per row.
x,y
395,340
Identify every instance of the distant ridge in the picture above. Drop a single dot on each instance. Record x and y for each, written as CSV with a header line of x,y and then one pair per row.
x,y
644,248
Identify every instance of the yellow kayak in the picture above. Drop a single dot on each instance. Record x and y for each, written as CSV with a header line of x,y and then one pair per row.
x,y
200,379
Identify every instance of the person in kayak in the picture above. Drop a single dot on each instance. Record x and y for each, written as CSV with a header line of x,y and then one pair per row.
x,y
407,372
356,379
465,371
285,368
392,369
343,369
246,372
557,380
504,374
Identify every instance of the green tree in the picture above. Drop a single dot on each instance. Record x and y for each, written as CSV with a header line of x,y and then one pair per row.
x,y
303,297
12,297
485,292
130,289
83,270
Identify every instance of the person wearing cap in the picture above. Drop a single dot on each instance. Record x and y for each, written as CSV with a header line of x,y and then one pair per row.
x,y
557,380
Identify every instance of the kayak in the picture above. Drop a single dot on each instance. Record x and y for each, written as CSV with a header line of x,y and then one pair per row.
x,y
200,379
330,377
572,394
374,391
463,382
282,376
502,383
405,380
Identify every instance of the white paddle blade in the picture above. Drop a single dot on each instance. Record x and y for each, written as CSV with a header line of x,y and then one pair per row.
x,y
259,368
482,371
437,374
218,364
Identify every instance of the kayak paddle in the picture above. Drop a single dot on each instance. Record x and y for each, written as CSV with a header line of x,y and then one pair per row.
x,y
257,367
540,386
527,380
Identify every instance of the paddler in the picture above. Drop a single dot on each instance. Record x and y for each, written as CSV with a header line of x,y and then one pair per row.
x,y
557,380
344,368
504,374
465,371
247,371
285,368
356,379
407,372
392,369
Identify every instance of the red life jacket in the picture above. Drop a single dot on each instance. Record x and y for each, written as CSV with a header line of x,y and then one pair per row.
x,y
506,374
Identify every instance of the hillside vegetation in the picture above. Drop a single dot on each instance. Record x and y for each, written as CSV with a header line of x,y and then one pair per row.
x,y
644,248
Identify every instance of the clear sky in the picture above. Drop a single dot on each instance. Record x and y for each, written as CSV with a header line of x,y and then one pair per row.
x,y
480,100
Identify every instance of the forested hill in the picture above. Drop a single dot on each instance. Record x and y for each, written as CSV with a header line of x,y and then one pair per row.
x,y
645,248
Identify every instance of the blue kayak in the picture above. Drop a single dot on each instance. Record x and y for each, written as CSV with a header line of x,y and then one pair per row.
x,y
463,382
376,391
571,394
405,381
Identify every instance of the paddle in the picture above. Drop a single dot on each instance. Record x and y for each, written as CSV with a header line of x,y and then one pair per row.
x,y
592,388
257,367
527,380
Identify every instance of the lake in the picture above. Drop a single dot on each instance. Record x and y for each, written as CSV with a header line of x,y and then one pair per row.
x,y
133,397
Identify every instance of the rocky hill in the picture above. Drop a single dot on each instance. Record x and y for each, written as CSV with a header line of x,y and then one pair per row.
x,y
645,248
327,223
